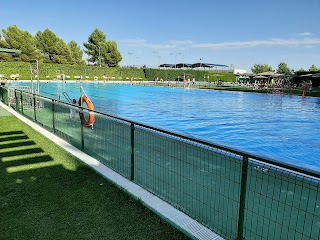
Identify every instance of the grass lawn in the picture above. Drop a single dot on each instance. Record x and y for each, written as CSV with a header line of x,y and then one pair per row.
x,y
47,193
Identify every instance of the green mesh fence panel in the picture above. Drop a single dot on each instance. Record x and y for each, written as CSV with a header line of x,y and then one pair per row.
x,y
27,104
109,142
11,100
67,124
4,95
43,112
212,184
201,181
18,101
281,204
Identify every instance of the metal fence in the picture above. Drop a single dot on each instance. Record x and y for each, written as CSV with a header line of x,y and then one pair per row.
x,y
234,193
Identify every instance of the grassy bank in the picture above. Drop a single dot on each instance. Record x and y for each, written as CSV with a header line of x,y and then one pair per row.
x,y
48,194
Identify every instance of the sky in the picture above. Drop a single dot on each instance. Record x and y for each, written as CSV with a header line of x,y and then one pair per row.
x,y
235,33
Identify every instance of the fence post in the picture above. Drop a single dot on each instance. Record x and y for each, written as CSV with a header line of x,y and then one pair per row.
x,y
132,153
16,99
53,117
242,204
21,102
34,107
82,132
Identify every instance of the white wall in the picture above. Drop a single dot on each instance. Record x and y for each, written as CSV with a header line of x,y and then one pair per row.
x,y
237,71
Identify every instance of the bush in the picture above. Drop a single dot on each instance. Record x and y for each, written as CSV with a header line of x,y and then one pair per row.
x,y
48,71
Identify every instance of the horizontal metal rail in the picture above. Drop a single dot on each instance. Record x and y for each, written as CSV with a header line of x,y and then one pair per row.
x,y
235,193
203,142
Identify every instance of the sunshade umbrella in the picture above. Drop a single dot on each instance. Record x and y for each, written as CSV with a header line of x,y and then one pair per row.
x,y
260,77
269,73
316,75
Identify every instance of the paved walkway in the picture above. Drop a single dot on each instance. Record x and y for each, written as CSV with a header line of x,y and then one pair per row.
x,y
178,219
4,112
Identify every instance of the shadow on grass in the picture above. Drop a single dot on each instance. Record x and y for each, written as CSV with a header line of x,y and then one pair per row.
x,y
41,199
12,138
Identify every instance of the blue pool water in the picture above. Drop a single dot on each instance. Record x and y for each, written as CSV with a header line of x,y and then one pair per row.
x,y
282,127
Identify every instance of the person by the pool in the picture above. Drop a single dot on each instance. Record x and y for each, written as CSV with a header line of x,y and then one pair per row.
x,y
4,81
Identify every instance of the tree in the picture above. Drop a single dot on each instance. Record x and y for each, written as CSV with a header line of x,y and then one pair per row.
x,y
259,68
62,53
4,56
76,53
313,68
112,56
101,51
283,68
53,49
96,41
301,70
46,42
15,38
3,43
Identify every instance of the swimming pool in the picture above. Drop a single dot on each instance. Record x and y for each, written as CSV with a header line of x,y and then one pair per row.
x,y
281,127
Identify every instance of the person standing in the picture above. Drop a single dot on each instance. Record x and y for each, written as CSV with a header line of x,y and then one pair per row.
x,y
3,82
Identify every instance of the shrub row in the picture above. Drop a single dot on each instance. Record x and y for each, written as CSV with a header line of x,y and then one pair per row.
x,y
69,72
48,71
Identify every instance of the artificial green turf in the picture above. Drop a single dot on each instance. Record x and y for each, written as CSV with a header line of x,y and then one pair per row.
x,y
46,193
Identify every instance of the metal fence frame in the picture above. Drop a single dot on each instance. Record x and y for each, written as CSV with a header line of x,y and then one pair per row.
x,y
234,193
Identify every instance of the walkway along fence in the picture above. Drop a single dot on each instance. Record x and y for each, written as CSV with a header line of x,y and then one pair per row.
x,y
236,194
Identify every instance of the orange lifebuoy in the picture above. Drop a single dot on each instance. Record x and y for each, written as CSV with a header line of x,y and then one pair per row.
x,y
88,123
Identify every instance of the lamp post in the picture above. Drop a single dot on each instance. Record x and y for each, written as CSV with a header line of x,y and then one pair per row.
x,y
201,62
130,53
184,56
159,60
175,59
136,69
155,52
99,56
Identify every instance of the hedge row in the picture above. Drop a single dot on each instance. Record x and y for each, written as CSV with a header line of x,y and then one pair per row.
x,y
49,71
179,74
70,72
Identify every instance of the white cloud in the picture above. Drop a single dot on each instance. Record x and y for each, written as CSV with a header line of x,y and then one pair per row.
x,y
144,44
306,42
306,34
257,43
181,42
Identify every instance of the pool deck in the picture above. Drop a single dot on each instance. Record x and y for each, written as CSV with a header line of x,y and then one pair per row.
x,y
178,219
